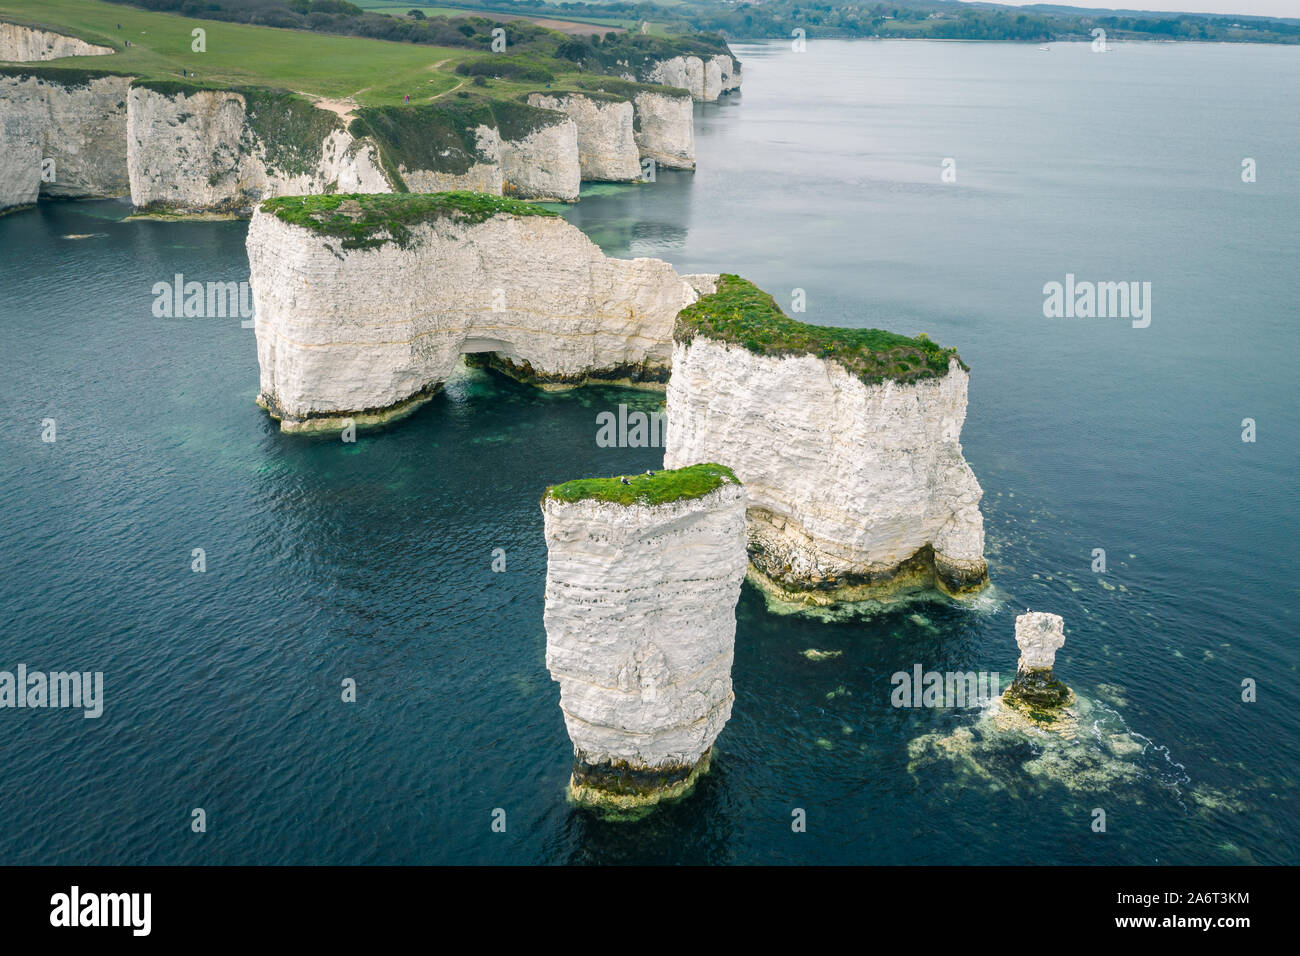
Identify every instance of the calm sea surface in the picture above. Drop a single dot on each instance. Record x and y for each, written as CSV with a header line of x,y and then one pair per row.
x,y
373,560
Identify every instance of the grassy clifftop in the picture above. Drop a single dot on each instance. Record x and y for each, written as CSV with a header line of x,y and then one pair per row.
x,y
368,220
659,488
742,314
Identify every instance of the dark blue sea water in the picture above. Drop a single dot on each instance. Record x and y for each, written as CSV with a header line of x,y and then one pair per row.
x,y
373,560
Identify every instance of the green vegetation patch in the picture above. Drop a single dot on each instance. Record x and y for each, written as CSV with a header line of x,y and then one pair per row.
x,y
437,138
627,89
597,96
370,220
743,314
659,488
291,130
516,121
523,68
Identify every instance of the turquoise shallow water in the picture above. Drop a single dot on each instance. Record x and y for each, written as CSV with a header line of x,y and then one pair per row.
x,y
372,560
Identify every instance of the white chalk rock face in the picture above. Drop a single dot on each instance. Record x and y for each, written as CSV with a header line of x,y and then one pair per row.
x,y
640,632
369,333
543,163
665,129
198,151
62,139
1039,636
607,149
25,45
855,491
685,72
706,78
728,74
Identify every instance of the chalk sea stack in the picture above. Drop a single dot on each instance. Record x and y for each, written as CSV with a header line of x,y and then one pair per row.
x,y
847,441
1036,687
642,579
364,303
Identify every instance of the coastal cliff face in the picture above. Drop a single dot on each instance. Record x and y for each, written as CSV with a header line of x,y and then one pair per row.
x,y
367,328
706,78
607,147
482,175
191,150
20,44
665,129
640,632
541,162
856,490
76,127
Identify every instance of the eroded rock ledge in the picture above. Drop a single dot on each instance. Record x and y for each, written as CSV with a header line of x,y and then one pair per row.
x,y
847,440
365,302
642,579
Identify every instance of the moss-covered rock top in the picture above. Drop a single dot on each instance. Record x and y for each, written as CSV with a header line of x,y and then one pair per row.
x,y
443,139
741,313
658,488
367,220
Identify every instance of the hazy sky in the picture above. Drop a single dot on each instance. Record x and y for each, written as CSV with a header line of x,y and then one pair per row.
x,y
1258,8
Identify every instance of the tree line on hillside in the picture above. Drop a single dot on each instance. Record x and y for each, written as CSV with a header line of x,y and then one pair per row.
x,y
471,32
933,19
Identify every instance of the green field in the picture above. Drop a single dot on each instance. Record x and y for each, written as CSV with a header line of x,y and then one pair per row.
x,y
443,10
373,72
367,72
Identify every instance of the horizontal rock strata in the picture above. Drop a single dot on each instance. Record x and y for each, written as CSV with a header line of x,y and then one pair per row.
x,y
640,632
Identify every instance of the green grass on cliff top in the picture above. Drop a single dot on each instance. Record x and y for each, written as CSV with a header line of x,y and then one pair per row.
x,y
368,72
663,487
366,220
742,314
371,71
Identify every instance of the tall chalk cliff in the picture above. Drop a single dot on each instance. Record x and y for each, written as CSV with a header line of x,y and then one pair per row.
x,y
363,311
499,147
539,156
607,147
848,442
20,44
642,581
61,135
665,128
193,150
